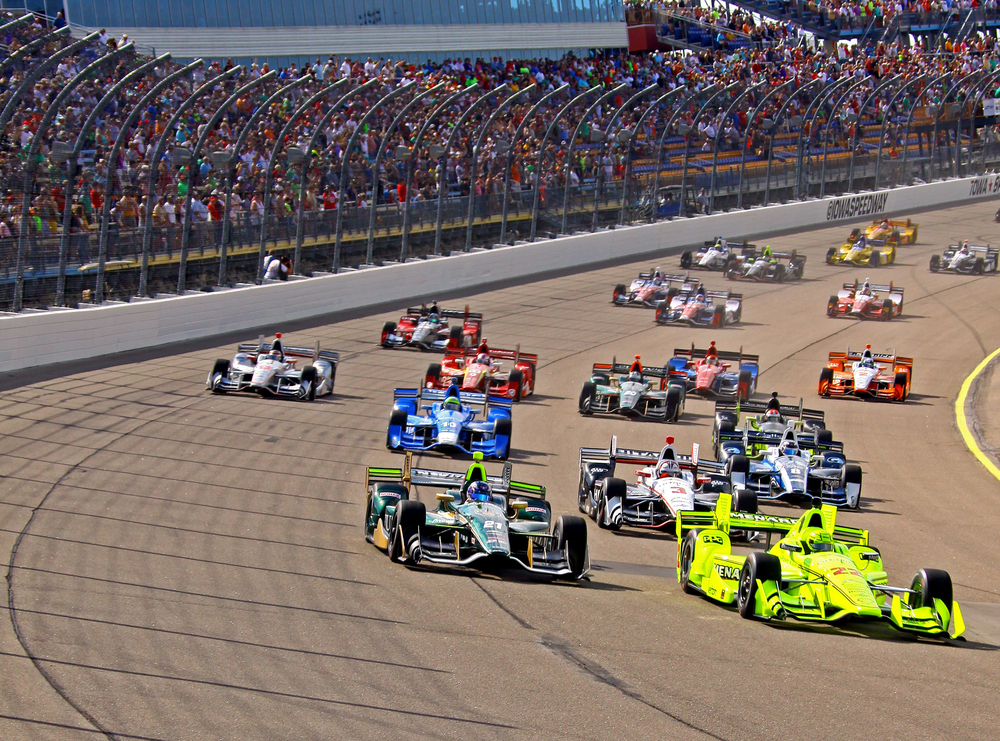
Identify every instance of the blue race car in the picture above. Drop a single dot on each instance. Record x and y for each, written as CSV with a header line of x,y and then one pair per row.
x,y
717,373
448,423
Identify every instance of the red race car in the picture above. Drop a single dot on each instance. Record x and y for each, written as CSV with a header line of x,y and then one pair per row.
x,y
476,369
872,374
869,301
428,329
706,373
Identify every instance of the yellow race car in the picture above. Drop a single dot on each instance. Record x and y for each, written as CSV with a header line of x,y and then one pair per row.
x,y
859,249
905,232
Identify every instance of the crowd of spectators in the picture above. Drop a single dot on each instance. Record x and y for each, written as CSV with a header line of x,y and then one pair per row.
x,y
783,59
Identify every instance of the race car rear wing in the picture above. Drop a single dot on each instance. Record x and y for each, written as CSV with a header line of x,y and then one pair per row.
x,y
878,357
450,313
515,355
466,397
985,249
615,367
759,407
697,353
666,278
407,475
805,440
885,288
723,518
613,455
261,347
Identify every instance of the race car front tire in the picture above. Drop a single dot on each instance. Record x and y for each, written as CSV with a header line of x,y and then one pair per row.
x,y
686,260
875,259
661,311
831,306
979,266
409,517
570,535
758,566
745,500
851,474
830,255
613,488
935,263
620,290
516,381
387,329
886,310
930,584
587,396
825,381
719,316
309,376
396,419
687,561
221,368
738,465
672,404
503,427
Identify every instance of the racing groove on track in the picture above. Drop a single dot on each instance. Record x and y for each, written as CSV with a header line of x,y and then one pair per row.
x,y
194,566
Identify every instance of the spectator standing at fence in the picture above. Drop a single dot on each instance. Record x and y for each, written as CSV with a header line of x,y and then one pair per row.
x,y
79,231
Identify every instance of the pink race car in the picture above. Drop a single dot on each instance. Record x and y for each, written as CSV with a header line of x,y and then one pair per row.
x,y
706,372
475,369
870,301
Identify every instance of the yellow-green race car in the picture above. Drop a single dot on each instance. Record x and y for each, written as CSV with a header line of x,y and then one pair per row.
x,y
817,572
859,249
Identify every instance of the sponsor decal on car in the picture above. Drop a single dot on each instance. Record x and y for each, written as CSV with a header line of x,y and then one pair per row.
x,y
727,572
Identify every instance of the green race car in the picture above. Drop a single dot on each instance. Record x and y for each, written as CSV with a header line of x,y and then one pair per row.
x,y
478,519
817,572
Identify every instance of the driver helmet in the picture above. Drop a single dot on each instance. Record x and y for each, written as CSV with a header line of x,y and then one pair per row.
x,y
433,319
965,247
667,468
483,359
789,447
819,540
276,349
866,288
867,362
772,415
452,402
701,289
767,251
479,491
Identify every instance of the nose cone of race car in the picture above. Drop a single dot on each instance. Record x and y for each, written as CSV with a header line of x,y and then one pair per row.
x,y
706,378
489,524
676,493
863,378
263,372
794,472
630,395
474,376
421,331
860,304
449,426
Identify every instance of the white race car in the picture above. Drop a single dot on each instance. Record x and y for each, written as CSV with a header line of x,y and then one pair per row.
x,y
270,370
715,255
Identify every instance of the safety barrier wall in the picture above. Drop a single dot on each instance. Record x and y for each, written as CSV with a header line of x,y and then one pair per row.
x,y
34,339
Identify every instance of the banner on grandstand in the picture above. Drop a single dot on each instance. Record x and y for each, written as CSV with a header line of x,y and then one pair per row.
x,y
849,207
990,106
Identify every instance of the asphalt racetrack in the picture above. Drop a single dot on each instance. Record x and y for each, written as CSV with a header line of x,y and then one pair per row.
x,y
186,566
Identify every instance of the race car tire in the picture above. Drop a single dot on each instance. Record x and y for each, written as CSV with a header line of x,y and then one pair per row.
x,y
457,333
675,397
686,260
875,259
745,381
979,266
738,314
387,329
587,396
831,306
221,368
620,290
410,516
570,535
582,493
896,237
851,474
745,500
899,386
886,315
398,417
719,316
433,375
758,566
671,292
612,488
738,465
935,263
600,378
823,436
729,265
504,427
661,311
779,273
825,381
309,376
724,426
517,381
930,584
687,560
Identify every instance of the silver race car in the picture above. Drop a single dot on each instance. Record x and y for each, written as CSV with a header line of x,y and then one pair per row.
x,y
270,369
616,388
967,259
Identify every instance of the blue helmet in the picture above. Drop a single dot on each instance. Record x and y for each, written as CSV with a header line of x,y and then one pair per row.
x,y
479,491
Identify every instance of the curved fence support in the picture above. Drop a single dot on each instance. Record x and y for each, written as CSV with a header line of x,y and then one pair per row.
x,y
826,130
628,152
687,141
861,112
718,135
881,139
804,161
909,119
777,121
654,211
941,110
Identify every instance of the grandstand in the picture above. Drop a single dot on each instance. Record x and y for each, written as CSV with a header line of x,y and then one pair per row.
x,y
126,175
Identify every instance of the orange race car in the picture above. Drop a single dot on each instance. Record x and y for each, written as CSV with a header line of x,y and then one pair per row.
x,y
867,374
905,232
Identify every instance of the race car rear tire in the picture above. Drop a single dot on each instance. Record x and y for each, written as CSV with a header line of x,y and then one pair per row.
x,y
825,381
875,259
979,266
661,311
433,376
719,316
387,329
457,333
221,368
887,310
570,535
398,417
823,436
620,290
899,385
779,273
831,306
830,254
745,500
672,404
686,260
930,584
517,381
687,560
504,427
582,493
724,426
309,376
587,396
410,516
935,263
851,474
612,488
745,382
738,464
758,566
